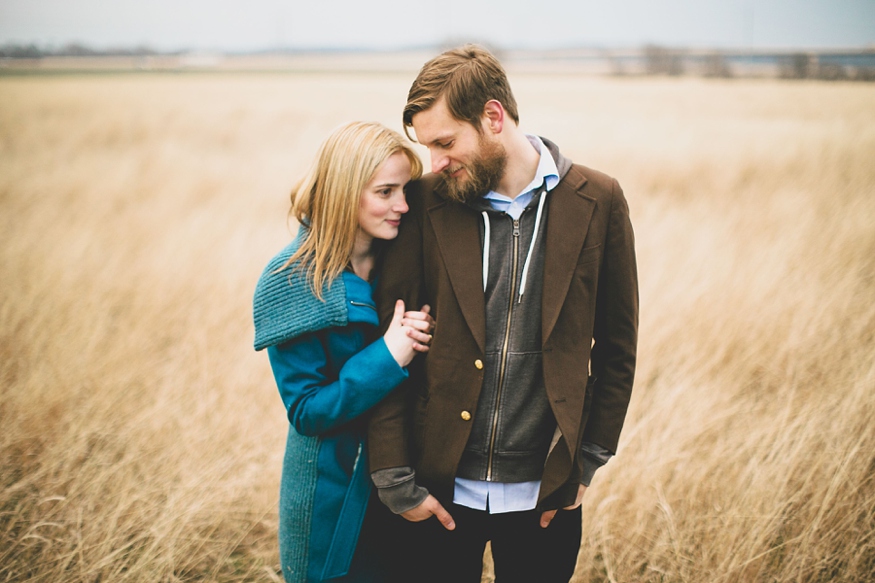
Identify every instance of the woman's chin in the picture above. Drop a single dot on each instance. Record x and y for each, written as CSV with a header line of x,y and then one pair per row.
x,y
389,234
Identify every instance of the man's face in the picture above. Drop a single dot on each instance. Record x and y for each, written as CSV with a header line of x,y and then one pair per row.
x,y
472,163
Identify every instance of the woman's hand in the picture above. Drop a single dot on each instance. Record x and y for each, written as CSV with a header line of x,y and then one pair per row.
x,y
404,341
421,327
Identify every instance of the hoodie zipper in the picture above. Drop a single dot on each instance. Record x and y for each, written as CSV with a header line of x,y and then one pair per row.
x,y
504,348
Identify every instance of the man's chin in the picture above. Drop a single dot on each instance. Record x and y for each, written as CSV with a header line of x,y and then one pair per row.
x,y
460,190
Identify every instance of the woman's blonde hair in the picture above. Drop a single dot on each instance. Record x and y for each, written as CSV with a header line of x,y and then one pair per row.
x,y
326,201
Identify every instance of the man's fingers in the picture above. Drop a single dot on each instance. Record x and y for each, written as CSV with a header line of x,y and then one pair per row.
x,y
420,319
580,492
415,323
418,336
547,517
443,516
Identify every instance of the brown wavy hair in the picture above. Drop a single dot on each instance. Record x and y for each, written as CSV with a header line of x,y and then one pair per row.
x,y
467,77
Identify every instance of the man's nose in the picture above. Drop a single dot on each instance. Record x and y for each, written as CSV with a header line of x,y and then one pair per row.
x,y
439,162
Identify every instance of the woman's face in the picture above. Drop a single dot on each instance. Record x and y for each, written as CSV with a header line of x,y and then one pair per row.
x,y
383,202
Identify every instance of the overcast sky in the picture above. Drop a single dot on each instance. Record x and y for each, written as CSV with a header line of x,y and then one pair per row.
x,y
386,24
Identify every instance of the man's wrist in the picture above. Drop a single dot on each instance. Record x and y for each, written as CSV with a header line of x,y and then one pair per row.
x,y
397,489
592,457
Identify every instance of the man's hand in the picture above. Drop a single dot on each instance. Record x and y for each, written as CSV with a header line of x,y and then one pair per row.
x,y
547,517
430,506
420,327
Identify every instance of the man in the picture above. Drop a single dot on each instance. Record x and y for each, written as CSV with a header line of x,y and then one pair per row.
x,y
528,263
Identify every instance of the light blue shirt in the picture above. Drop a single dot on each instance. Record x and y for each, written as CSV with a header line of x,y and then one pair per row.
x,y
498,497
545,173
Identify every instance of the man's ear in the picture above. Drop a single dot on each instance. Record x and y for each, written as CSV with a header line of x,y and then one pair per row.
x,y
493,116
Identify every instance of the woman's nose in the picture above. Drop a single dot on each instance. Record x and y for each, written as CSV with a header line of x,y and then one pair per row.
x,y
401,205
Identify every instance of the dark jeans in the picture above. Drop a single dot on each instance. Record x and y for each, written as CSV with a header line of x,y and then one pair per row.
x,y
522,551
372,558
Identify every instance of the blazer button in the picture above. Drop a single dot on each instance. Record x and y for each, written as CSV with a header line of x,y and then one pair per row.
x,y
465,415
478,364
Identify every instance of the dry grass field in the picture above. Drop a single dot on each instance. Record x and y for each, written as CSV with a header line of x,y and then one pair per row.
x,y
141,437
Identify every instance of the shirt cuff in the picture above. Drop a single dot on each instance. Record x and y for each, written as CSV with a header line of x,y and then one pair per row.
x,y
592,457
397,488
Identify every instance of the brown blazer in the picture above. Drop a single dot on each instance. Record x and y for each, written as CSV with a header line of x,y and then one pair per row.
x,y
590,293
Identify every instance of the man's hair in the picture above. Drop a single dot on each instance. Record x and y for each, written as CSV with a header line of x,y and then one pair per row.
x,y
467,77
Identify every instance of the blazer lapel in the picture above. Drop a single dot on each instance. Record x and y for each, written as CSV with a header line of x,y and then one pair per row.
x,y
458,235
568,216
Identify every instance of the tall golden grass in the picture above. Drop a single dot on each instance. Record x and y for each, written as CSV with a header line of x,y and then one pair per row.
x,y
142,437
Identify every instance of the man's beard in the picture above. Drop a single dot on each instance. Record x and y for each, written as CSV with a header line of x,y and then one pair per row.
x,y
484,172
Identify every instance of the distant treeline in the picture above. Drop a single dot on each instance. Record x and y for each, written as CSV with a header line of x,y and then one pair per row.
x,y
32,51
832,65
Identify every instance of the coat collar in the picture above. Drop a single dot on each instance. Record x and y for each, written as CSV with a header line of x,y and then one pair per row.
x,y
457,230
568,216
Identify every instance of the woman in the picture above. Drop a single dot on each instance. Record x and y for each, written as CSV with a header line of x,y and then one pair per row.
x,y
315,315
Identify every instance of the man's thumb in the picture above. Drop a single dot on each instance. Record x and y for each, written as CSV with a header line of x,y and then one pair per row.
x,y
547,518
444,517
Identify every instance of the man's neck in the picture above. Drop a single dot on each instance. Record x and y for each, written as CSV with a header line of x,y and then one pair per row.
x,y
522,164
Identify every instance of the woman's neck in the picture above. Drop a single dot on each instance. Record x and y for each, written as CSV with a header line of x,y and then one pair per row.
x,y
362,257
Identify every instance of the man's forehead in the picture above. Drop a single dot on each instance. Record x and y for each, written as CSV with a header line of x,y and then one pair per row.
x,y
436,124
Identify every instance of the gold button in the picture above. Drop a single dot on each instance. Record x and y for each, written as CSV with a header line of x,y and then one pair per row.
x,y
479,364
465,415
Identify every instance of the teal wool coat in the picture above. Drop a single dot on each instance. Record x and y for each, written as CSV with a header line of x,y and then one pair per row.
x,y
330,368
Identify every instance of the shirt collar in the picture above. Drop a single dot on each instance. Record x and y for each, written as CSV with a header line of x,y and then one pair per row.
x,y
547,173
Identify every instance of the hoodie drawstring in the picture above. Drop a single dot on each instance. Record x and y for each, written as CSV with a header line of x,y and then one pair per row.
x,y
485,250
531,246
486,236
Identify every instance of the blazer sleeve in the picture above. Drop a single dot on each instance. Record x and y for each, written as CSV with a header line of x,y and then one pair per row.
x,y
316,400
401,278
615,332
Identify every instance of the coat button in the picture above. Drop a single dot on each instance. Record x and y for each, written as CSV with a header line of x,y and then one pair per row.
x,y
465,415
478,364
